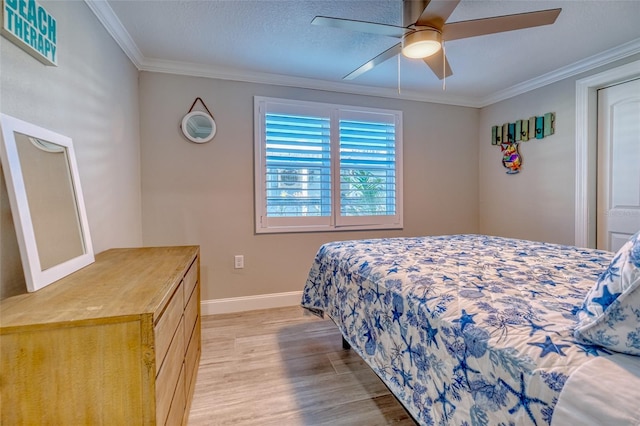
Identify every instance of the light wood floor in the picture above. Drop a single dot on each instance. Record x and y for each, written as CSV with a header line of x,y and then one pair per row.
x,y
284,367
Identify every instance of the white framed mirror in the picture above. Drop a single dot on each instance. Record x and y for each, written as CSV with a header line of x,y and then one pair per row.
x,y
198,127
46,202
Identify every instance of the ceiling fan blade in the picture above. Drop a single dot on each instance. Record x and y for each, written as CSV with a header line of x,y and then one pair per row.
x,y
436,61
411,11
387,54
360,26
498,24
436,13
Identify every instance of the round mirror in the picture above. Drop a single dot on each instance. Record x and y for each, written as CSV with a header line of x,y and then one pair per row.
x,y
198,127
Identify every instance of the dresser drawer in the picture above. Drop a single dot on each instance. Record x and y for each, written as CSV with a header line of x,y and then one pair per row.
x,y
191,313
168,376
190,280
176,412
192,356
166,326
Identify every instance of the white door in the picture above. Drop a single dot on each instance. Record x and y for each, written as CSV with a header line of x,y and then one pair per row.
x,y
618,205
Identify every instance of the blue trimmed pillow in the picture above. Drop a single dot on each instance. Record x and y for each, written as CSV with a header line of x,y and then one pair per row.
x,y
610,314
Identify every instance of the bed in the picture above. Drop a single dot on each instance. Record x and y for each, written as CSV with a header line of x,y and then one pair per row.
x,y
479,330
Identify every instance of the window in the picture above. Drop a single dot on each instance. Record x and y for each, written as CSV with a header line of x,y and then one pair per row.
x,y
322,167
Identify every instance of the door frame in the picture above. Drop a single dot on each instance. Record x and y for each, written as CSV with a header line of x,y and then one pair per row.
x,y
586,147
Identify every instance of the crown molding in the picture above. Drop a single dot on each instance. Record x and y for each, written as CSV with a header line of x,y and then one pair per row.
x,y
114,27
608,56
200,70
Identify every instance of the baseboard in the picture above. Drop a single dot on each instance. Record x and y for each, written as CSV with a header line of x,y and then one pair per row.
x,y
250,303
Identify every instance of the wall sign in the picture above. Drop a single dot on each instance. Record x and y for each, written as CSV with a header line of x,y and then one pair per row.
x,y
31,27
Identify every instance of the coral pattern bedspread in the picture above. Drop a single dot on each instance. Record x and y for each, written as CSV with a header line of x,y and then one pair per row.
x,y
464,329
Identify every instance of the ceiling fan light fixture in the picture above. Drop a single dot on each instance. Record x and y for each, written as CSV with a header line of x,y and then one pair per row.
x,y
422,43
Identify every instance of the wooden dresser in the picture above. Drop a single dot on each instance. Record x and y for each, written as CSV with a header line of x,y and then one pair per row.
x,y
115,343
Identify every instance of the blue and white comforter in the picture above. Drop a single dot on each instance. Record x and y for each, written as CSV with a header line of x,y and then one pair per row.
x,y
465,329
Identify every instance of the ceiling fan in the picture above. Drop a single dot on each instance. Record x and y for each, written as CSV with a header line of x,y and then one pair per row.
x,y
425,28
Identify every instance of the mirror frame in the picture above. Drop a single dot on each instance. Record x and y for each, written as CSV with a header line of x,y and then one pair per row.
x,y
35,277
186,134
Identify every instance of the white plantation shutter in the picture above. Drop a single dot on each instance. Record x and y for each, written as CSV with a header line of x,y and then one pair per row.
x,y
326,167
367,167
298,175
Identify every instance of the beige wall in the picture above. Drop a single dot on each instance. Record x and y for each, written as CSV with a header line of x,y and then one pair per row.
x,y
539,202
92,97
144,183
203,194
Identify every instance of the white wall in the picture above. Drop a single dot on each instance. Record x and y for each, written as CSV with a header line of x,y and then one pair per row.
x,y
539,202
203,194
92,97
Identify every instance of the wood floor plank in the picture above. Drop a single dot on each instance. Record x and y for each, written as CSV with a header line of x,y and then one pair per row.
x,y
284,367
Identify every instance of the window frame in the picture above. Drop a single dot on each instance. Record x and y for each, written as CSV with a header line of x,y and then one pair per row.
x,y
335,221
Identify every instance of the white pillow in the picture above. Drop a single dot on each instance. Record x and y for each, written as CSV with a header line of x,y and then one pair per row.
x,y
610,313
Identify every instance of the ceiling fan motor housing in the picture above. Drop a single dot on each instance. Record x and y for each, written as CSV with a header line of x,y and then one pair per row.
x,y
422,43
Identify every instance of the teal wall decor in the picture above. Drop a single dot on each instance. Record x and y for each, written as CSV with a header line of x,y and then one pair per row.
x,y
509,136
27,24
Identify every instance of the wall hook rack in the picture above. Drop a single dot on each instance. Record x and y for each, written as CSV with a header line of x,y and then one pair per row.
x,y
509,136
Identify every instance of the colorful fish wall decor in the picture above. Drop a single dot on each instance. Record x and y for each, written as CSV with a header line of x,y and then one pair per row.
x,y
511,159
510,135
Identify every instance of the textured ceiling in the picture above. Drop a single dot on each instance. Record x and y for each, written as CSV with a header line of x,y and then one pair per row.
x,y
275,38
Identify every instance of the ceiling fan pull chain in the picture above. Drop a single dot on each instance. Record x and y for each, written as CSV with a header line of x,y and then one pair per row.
x,y
444,67
398,56
402,6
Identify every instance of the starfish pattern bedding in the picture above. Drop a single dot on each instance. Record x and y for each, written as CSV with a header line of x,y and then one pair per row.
x,y
463,329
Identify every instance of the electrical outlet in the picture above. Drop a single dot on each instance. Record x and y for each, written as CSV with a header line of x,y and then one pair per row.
x,y
238,261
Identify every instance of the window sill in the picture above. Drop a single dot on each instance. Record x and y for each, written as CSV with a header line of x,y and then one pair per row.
x,y
318,228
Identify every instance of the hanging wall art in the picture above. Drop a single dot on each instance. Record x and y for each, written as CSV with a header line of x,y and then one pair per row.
x,y
510,135
27,24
